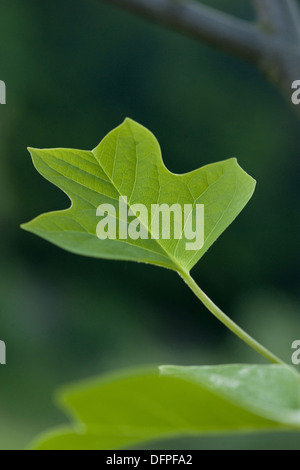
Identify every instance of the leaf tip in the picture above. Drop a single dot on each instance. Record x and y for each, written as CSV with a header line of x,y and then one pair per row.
x,y
25,227
31,150
129,122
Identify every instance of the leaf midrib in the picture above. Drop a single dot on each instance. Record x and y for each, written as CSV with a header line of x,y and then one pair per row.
x,y
178,267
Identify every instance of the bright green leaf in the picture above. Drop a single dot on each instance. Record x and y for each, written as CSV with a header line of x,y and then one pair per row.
x,y
131,408
128,163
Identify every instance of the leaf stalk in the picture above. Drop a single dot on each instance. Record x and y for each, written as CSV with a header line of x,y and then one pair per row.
x,y
230,324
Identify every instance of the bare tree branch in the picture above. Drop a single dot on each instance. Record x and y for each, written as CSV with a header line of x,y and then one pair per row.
x,y
228,33
281,17
280,20
272,45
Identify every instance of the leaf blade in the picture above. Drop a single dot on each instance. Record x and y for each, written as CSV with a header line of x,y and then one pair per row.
x,y
129,408
128,163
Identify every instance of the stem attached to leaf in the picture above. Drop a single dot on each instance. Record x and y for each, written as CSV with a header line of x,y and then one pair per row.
x,y
228,322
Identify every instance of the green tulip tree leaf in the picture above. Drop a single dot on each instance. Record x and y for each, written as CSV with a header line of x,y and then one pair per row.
x,y
128,163
131,408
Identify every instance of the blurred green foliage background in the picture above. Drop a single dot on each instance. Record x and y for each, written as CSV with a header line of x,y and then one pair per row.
x,y
75,69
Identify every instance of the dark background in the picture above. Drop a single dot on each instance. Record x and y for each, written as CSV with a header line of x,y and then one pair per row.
x,y
74,69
